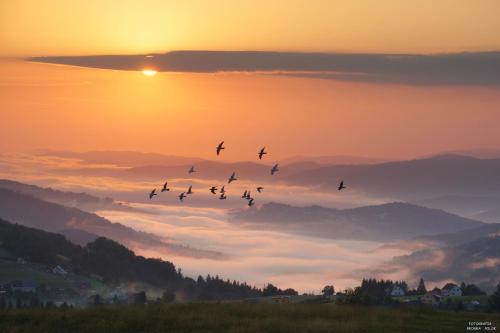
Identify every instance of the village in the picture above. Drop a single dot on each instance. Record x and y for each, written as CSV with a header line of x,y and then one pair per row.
x,y
57,286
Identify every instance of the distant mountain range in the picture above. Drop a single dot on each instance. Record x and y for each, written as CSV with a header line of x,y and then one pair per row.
x,y
82,200
387,222
32,212
479,207
410,180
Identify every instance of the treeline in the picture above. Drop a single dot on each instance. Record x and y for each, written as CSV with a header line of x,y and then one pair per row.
x,y
115,264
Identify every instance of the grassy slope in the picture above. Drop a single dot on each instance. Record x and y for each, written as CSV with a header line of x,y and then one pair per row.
x,y
240,317
10,270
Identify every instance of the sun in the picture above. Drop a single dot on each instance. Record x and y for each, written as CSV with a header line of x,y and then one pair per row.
x,y
149,72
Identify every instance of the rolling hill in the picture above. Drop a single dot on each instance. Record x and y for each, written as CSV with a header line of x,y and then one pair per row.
x,y
387,222
32,212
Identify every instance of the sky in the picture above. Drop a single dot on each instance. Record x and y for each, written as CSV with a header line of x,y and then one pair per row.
x,y
59,27
57,107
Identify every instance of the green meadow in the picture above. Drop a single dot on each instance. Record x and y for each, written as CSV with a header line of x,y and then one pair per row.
x,y
240,317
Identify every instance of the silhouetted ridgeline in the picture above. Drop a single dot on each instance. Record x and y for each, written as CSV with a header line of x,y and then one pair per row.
x,y
30,211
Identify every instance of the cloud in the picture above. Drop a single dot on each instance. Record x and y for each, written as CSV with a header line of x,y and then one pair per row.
x,y
468,68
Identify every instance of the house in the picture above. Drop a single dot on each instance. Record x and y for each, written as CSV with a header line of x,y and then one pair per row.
x,y
431,298
58,270
23,286
396,291
451,290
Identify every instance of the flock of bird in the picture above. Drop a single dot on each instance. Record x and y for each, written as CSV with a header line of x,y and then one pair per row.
x,y
222,192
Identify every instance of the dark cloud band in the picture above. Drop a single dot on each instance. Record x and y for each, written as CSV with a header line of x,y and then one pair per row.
x,y
474,68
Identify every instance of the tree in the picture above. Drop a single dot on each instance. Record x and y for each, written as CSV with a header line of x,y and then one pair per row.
x,y
328,290
421,287
270,290
471,290
494,299
290,292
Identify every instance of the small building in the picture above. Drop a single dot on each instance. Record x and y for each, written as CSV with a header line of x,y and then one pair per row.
x,y
58,270
396,291
451,290
431,298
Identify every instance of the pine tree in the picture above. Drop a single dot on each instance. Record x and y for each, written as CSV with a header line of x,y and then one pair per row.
x,y
421,287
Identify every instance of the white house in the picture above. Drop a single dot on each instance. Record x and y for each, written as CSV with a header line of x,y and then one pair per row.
x,y
59,270
397,291
452,290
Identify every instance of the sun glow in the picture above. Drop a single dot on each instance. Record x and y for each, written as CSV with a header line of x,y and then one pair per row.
x,y
149,72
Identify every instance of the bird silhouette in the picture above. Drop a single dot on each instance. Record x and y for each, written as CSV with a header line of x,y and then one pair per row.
x,y
259,189
165,188
213,189
191,170
222,189
220,147
244,194
248,197
223,196
262,152
341,186
232,178
190,190
152,194
250,202
182,196
274,169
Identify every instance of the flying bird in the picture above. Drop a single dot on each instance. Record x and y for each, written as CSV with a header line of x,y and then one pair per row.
x,y
259,189
244,194
190,190
220,147
274,169
152,194
222,189
248,197
182,196
165,188
262,152
232,178
213,189
250,202
223,196
341,186
191,170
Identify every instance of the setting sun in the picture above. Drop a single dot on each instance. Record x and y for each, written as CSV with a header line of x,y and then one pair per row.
x,y
149,72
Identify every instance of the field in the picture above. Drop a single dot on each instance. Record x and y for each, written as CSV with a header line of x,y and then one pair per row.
x,y
240,317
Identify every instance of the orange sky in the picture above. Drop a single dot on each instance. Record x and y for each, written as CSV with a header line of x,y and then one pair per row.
x,y
60,27
62,107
